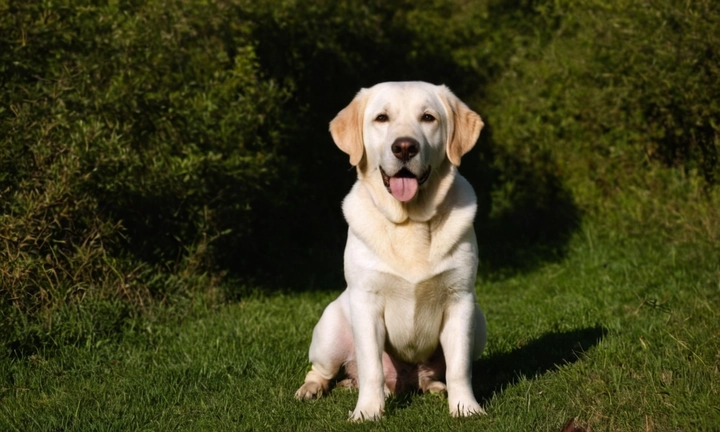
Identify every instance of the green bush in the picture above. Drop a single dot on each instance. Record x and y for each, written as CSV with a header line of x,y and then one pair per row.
x,y
132,137
618,86
617,104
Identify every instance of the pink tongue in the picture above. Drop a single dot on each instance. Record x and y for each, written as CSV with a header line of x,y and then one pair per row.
x,y
403,188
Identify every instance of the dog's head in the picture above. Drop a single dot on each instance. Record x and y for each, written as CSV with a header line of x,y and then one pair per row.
x,y
400,132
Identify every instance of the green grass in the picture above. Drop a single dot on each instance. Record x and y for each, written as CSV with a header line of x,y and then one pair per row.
x,y
622,333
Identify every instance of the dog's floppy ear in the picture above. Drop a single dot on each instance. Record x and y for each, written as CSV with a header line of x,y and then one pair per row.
x,y
464,128
346,128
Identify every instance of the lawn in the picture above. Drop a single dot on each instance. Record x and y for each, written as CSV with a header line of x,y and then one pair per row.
x,y
619,332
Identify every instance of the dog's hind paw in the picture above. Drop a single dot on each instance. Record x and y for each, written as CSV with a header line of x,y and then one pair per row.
x,y
434,387
347,383
314,387
310,390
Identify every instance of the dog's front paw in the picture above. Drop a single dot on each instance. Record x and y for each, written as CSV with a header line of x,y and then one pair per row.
x,y
466,409
366,413
310,390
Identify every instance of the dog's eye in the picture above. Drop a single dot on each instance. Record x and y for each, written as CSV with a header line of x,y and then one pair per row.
x,y
427,118
382,118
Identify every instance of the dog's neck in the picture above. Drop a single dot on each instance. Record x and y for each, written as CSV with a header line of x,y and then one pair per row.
x,y
445,218
423,207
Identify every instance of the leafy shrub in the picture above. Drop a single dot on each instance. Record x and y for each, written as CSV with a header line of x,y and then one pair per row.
x,y
617,102
617,87
132,137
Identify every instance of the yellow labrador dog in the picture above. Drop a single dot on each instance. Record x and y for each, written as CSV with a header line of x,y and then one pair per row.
x,y
409,316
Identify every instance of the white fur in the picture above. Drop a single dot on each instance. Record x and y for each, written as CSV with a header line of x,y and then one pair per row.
x,y
410,267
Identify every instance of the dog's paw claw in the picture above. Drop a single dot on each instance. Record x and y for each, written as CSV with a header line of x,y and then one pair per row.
x,y
467,410
358,418
361,415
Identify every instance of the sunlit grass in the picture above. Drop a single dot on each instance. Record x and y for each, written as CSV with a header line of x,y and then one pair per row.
x,y
621,334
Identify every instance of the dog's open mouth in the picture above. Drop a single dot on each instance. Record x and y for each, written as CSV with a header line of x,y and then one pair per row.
x,y
404,184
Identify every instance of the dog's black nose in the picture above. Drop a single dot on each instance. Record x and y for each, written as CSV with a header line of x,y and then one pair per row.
x,y
405,148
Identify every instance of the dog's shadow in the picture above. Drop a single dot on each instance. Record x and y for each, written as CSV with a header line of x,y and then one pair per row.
x,y
497,372
493,374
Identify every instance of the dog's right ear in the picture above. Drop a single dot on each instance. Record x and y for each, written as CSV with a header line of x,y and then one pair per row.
x,y
465,126
346,128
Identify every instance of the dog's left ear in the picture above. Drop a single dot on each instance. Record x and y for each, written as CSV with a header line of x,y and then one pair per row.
x,y
346,128
464,128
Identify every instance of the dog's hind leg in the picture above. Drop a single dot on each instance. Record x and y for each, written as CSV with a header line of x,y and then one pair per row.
x,y
331,347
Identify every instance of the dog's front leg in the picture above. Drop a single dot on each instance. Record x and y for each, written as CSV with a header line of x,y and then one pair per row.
x,y
458,339
369,337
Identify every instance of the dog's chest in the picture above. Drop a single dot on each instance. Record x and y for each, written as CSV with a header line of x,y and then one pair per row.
x,y
413,316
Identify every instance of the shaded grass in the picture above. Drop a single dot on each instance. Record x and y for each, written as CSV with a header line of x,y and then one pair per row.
x,y
621,334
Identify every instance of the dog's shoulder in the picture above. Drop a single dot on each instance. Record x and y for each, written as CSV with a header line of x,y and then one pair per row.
x,y
361,213
460,203
454,220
